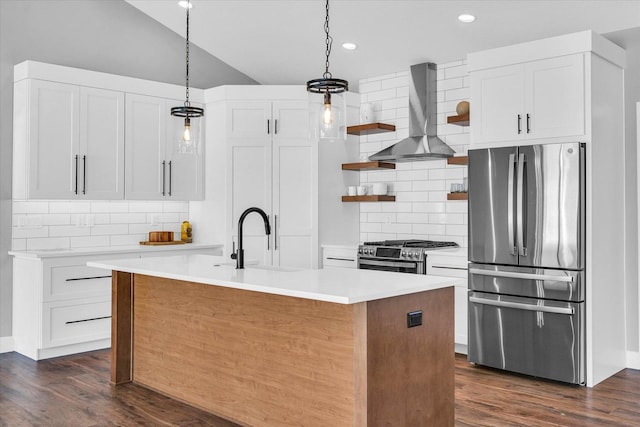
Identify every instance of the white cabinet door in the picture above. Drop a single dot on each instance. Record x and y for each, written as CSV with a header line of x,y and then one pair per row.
x,y
461,317
249,175
555,97
294,187
539,99
101,144
497,100
145,136
53,140
184,175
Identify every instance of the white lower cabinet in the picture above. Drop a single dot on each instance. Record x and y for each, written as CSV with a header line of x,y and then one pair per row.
x,y
454,266
339,256
61,306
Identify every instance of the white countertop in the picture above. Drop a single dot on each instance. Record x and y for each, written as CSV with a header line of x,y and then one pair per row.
x,y
343,286
459,252
107,250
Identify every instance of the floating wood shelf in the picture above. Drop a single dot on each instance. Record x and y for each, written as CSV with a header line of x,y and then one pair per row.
x,y
459,160
368,198
367,166
457,196
370,128
459,120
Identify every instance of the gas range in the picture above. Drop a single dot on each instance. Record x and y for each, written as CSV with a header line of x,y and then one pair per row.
x,y
407,256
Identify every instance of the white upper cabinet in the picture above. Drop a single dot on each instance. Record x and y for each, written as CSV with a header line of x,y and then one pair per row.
x,y
155,168
73,130
102,143
68,141
538,99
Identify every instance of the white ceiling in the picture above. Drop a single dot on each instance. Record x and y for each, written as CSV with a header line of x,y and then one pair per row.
x,y
282,42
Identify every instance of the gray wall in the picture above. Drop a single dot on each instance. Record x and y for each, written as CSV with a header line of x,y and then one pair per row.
x,y
630,41
102,35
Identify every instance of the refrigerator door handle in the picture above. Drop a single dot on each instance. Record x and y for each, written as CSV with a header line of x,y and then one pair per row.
x,y
521,306
510,225
522,250
516,275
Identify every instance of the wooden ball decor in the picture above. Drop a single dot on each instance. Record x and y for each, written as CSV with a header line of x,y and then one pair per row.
x,y
462,108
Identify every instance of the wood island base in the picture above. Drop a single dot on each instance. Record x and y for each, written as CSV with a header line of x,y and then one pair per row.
x,y
261,359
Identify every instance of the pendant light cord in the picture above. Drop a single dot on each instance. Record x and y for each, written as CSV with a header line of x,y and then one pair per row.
x,y
328,42
186,102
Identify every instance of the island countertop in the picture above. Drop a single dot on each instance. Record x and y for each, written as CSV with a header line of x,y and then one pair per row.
x,y
343,286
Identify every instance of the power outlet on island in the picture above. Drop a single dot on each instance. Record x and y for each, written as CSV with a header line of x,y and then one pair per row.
x,y
414,318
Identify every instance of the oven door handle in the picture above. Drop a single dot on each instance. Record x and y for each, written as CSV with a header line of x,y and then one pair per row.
x,y
515,275
387,263
521,306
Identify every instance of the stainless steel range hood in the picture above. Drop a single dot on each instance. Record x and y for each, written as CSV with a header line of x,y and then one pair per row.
x,y
422,143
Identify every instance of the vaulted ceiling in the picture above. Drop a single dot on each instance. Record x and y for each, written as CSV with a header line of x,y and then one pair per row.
x,y
282,42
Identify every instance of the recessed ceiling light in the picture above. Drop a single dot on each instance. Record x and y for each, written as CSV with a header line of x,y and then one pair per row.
x,y
349,46
185,4
466,18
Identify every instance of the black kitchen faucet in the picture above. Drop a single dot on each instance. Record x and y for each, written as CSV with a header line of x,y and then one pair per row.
x,y
239,254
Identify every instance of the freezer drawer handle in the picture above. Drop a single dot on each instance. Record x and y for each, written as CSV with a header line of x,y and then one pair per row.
x,y
531,276
520,306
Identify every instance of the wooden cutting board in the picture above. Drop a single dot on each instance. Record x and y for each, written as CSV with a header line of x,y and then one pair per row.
x,y
173,242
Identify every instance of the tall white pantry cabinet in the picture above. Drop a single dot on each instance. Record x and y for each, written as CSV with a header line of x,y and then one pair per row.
x,y
259,153
568,89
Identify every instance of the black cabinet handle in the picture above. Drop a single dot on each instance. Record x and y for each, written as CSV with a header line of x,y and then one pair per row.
x,y
528,127
87,320
170,176
276,126
519,126
84,174
76,190
163,176
268,128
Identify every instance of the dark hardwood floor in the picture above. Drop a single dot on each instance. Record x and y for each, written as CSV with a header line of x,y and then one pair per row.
x,y
75,391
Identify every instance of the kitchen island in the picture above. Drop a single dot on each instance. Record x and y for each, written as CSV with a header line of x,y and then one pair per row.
x,y
274,347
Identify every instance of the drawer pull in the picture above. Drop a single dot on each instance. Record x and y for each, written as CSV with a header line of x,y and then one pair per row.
x,y
450,267
87,320
341,259
88,278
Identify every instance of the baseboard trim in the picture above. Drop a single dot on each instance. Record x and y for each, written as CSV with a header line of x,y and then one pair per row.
x,y
6,344
633,359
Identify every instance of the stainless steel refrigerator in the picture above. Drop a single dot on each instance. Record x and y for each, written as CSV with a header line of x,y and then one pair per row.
x,y
527,260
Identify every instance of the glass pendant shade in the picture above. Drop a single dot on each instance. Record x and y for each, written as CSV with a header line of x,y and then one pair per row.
x,y
328,120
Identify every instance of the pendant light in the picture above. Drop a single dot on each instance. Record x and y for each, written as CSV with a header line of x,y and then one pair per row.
x,y
328,118
187,141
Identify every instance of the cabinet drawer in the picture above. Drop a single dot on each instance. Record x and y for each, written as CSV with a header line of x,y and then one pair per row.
x,y
450,266
76,281
65,324
337,257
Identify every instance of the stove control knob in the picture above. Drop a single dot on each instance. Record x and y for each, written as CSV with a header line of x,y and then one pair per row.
x,y
370,252
404,253
416,255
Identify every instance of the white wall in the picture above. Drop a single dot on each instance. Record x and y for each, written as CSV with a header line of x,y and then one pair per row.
x,y
101,35
421,209
630,41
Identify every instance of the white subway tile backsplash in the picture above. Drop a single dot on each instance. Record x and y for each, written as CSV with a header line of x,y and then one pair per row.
x,y
30,207
30,233
437,229
69,206
371,86
128,218
456,71
18,244
109,229
90,241
180,207
128,239
146,206
48,243
101,206
67,231
452,173
395,82
457,94
447,84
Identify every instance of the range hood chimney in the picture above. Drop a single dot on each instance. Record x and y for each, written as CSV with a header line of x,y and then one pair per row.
x,y
422,143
